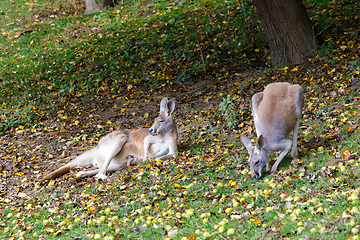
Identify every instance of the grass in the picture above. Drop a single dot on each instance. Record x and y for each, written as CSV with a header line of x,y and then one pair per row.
x,y
56,57
60,69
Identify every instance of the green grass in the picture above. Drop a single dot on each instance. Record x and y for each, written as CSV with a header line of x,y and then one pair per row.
x,y
56,57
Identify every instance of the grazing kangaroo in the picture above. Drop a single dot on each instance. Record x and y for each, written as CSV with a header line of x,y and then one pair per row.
x,y
277,112
120,148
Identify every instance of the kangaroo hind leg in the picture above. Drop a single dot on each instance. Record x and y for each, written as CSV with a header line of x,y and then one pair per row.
x,y
84,159
298,96
256,99
108,149
111,168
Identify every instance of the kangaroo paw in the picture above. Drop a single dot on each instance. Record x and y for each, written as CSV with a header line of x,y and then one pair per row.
x,y
274,170
294,153
101,176
295,161
80,174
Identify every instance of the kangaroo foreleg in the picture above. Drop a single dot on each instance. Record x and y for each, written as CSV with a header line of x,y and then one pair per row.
x,y
284,146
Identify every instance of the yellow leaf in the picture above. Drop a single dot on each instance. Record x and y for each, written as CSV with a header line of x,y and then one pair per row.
x,y
51,183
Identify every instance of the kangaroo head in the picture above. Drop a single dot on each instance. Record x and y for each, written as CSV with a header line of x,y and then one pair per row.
x,y
164,122
258,156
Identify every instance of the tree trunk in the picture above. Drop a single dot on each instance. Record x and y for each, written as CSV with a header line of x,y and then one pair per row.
x,y
289,30
91,6
109,3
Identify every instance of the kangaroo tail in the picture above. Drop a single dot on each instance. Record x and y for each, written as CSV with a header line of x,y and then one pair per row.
x,y
57,173
83,160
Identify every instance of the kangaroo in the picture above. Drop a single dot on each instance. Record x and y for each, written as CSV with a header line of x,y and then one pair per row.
x,y
277,112
121,148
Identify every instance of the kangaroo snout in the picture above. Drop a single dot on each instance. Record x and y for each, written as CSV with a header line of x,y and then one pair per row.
x,y
256,175
152,132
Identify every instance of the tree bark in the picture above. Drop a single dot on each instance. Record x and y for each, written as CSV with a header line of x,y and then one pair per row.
x,y
91,6
289,30
109,3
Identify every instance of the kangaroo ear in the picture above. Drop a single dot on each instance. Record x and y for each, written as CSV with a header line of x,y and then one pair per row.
x,y
171,106
246,141
164,105
260,142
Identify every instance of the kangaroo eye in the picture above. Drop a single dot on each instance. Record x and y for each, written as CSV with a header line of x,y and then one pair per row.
x,y
162,120
257,162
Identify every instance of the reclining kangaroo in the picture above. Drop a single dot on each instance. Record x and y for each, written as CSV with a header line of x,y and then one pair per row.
x,y
276,112
120,148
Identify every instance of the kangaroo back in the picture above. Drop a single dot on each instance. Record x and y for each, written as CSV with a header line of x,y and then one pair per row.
x,y
276,111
